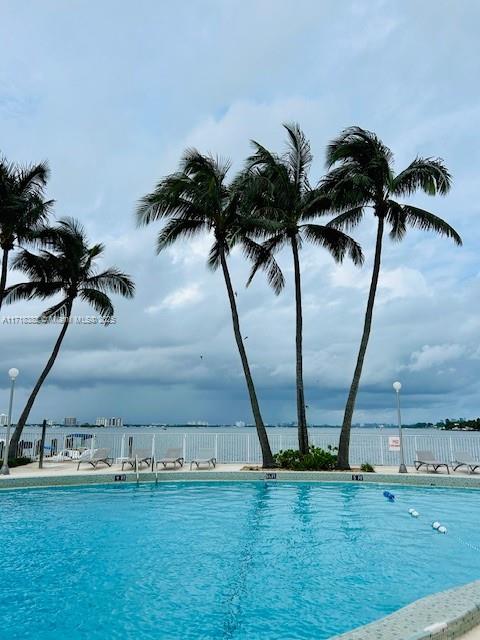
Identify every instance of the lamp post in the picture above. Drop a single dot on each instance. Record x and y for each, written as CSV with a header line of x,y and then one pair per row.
x,y
5,471
402,468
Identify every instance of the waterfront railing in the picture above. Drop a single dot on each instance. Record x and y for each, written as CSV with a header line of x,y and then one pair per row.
x,y
377,449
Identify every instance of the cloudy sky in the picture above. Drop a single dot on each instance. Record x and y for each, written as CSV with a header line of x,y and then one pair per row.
x,y
112,92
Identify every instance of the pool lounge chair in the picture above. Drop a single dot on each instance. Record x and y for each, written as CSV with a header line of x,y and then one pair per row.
x,y
64,455
205,456
427,459
172,457
95,456
142,455
463,459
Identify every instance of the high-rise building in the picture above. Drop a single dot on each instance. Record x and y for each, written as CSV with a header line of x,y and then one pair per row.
x,y
3,419
70,422
109,422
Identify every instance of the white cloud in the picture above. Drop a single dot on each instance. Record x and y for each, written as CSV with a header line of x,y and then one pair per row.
x,y
179,298
401,282
433,356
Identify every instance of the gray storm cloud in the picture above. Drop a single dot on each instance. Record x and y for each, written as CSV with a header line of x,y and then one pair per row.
x,y
113,108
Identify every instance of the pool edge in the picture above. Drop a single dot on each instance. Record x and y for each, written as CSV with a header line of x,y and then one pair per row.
x,y
96,477
440,616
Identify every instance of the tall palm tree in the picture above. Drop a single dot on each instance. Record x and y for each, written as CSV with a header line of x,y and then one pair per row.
x,y
196,200
65,266
283,194
362,177
22,208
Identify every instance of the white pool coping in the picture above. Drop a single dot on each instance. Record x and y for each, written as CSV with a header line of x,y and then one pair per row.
x,y
65,473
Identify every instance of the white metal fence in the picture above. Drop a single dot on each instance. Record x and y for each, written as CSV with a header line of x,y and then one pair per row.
x,y
244,447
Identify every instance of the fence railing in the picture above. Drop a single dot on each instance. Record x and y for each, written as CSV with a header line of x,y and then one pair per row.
x,y
244,447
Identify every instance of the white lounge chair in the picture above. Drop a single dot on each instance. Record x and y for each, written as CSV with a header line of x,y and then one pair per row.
x,y
172,456
140,455
64,455
95,456
427,459
463,459
205,456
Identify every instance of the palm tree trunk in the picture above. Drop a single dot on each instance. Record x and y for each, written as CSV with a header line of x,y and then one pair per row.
x,y
26,411
3,275
267,457
344,442
301,413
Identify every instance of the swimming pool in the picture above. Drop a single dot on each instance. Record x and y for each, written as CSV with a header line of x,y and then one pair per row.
x,y
224,560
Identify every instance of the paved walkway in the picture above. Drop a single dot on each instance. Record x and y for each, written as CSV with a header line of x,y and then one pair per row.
x,y
70,468
474,634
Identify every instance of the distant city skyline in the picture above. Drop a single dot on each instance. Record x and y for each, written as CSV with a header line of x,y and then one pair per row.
x,y
118,422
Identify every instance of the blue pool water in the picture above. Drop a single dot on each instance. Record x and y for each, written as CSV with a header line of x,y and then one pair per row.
x,y
233,560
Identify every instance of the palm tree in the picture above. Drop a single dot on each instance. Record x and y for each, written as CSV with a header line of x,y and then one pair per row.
x,y
65,266
361,176
22,208
195,200
282,193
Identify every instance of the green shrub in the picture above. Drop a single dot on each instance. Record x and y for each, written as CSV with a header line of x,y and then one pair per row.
x,y
316,459
17,462
367,467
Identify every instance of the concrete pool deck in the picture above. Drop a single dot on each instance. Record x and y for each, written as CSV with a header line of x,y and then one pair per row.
x,y
58,473
442,616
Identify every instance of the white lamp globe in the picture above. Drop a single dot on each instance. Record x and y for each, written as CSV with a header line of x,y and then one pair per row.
x,y
13,373
397,386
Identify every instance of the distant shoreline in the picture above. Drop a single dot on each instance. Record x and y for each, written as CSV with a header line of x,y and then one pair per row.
x,y
176,428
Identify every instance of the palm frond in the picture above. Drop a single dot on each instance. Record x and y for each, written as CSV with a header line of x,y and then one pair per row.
x,y
99,301
347,220
359,145
315,203
177,228
336,242
112,281
262,157
299,155
20,291
59,310
36,267
348,185
214,255
398,221
33,177
31,290
428,174
205,167
421,219
274,180
262,257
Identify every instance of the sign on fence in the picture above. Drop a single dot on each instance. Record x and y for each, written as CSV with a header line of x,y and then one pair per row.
x,y
394,443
